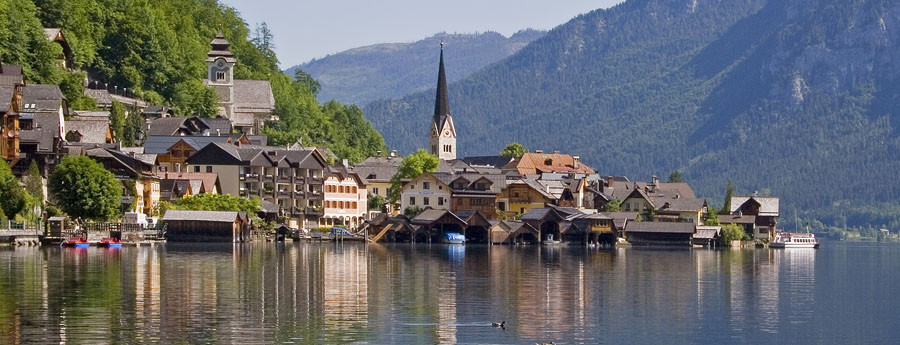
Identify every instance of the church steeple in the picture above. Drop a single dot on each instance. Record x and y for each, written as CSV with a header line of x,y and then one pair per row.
x,y
442,134
442,100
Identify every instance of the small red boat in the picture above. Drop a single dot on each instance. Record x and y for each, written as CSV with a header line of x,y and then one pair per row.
x,y
110,242
78,242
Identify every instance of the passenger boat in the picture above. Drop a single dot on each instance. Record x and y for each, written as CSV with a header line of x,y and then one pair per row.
x,y
794,240
110,242
454,238
77,242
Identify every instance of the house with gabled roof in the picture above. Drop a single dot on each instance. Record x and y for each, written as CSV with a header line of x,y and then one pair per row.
x,y
11,105
140,185
346,199
290,178
764,210
378,171
538,162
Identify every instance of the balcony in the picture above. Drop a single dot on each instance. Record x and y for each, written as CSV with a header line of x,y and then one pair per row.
x,y
309,211
249,177
269,178
298,179
299,195
284,178
315,196
315,180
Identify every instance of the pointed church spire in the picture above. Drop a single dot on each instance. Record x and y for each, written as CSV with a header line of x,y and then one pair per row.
x,y
442,101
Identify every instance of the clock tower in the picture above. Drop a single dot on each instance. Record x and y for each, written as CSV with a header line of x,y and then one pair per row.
x,y
442,133
220,73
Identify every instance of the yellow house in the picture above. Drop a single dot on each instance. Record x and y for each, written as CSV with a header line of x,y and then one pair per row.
x,y
378,172
522,195
425,191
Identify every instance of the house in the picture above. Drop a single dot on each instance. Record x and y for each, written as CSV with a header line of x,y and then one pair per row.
x,y
206,226
11,106
184,126
764,209
522,195
670,202
175,186
66,56
157,111
346,198
89,132
538,162
291,178
473,191
424,192
248,104
378,171
660,233
42,127
140,185
173,151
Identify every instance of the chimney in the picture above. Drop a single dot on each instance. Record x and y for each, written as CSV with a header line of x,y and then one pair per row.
x,y
575,163
655,181
378,153
218,132
538,151
609,181
393,153
345,163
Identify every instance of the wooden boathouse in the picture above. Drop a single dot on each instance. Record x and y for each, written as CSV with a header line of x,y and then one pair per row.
x,y
206,226
662,233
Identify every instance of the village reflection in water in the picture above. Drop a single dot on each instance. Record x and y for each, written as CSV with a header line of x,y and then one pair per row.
x,y
352,293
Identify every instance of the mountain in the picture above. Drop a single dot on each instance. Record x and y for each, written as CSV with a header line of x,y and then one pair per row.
x,y
793,98
390,70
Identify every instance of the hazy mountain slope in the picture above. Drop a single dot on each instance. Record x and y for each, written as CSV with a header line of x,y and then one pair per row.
x,y
793,97
390,70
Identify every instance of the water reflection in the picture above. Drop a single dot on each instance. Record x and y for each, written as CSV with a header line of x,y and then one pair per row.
x,y
401,293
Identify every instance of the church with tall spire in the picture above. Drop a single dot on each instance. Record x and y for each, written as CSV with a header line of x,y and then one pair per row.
x,y
442,133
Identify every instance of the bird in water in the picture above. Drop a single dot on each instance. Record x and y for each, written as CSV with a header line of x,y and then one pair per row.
x,y
502,324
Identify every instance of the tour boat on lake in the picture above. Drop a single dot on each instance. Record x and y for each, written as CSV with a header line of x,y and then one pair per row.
x,y
794,240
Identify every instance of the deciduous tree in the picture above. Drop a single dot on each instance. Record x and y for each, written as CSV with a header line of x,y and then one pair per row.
x,y
411,167
514,150
83,188
12,196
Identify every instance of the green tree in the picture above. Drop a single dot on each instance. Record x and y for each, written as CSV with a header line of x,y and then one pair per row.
x,y
133,131
734,232
193,98
12,196
305,79
675,177
33,181
614,206
514,150
376,202
411,167
215,202
729,191
712,216
117,120
412,211
84,188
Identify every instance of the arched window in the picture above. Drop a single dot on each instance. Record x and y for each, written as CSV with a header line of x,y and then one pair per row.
x,y
340,204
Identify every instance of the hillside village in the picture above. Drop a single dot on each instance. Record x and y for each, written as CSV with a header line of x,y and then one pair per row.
x,y
532,197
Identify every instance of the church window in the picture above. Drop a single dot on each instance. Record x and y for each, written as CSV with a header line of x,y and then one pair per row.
x,y
220,75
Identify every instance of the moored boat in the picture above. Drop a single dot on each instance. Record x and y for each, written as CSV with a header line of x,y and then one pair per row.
x,y
110,242
78,242
794,240
454,238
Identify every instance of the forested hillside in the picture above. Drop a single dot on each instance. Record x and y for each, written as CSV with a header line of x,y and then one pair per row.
x,y
795,98
390,70
157,49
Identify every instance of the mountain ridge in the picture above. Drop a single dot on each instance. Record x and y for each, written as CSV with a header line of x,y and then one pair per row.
x,y
779,96
385,70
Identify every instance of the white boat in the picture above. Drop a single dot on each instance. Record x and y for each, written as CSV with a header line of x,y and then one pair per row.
x,y
794,240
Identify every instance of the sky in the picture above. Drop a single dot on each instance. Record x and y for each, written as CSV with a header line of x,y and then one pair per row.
x,y
306,29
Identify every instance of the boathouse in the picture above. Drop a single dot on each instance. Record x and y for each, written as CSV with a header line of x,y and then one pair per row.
x,y
707,235
477,225
514,232
431,225
206,226
659,233
546,221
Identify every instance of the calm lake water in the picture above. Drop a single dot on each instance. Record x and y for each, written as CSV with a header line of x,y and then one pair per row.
x,y
310,293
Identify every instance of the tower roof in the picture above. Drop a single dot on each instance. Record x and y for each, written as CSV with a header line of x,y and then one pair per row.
x,y
220,48
442,100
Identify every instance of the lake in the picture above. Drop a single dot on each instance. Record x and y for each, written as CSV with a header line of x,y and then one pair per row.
x,y
311,293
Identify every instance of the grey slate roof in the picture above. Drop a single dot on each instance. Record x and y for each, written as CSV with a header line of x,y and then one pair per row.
x,y
6,95
429,217
203,216
378,169
769,206
157,110
681,205
661,227
11,69
488,161
101,96
86,115
40,98
228,154
91,131
253,96
160,144
192,125
46,129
